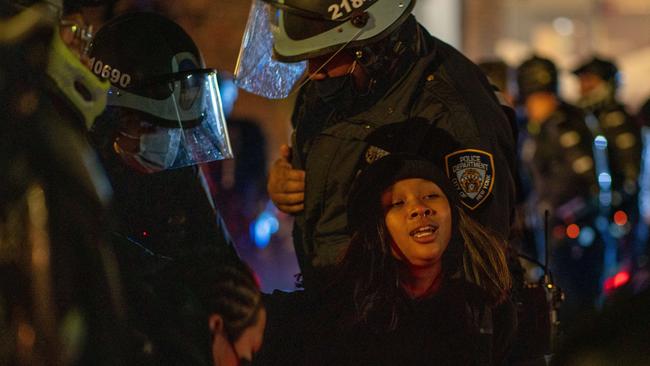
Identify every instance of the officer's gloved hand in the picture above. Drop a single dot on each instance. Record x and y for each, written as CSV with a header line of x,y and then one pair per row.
x,y
286,185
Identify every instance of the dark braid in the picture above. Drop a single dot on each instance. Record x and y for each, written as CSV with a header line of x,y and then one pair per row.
x,y
225,286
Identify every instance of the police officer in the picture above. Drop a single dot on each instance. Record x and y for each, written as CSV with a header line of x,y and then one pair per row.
x,y
163,117
599,80
608,120
370,63
558,155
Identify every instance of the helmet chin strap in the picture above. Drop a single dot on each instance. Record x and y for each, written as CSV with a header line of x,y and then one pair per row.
x,y
310,75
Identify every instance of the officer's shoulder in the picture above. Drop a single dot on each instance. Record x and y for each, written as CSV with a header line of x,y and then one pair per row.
x,y
466,77
449,57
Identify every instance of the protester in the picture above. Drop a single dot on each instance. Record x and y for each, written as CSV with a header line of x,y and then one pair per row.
x,y
209,312
421,282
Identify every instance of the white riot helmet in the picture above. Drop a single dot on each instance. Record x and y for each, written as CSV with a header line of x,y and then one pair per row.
x,y
281,34
165,106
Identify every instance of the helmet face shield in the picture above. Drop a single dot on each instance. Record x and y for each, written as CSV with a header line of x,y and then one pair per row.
x,y
172,122
256,71
297,30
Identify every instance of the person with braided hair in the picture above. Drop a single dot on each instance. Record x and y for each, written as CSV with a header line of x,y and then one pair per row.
x,y
206,310
231,296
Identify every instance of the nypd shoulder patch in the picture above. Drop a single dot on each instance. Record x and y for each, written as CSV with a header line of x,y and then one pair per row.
x,y
472,173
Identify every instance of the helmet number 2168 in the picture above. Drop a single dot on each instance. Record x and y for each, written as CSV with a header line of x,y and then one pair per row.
x,y
344,8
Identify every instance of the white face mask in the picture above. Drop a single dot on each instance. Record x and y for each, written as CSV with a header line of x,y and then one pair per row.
x,y
158,149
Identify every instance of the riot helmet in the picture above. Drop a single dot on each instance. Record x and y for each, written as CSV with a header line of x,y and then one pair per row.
x,y
280,34
537,74
163,108
598,82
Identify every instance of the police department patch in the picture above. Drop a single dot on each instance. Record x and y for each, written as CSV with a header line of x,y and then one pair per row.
x,y
472,173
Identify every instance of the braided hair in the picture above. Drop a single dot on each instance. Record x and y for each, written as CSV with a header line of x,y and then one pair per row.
x,y
224,285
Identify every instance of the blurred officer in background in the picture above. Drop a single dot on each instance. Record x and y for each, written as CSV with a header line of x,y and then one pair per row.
x,y
558,155
534,298
59,295
369,63
609,121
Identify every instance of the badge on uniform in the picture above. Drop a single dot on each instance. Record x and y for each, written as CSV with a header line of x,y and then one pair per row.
x,y
374,153
472,173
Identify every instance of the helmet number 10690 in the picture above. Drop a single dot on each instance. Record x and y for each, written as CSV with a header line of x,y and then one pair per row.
x,y
107,72
344,8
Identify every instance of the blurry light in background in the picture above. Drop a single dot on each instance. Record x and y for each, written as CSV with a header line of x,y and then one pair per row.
x,y
604,181
573,231
620,218
264,226
563,26
587,236
601,223
616,281
600,142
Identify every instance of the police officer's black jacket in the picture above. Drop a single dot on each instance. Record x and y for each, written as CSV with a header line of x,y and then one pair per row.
x,y
624,143
434,82
160,218
168,213
562,162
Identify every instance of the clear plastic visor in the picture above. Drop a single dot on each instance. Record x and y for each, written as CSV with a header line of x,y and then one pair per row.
x,y
256,71
171,123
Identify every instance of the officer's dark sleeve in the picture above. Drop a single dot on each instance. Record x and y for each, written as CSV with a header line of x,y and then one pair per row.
x,y
505,326
287,313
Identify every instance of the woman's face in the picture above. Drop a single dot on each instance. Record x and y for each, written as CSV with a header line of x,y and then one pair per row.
x,y
243,349
418,218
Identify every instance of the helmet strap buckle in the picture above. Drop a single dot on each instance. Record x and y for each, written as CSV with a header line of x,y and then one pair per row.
x,y
359,18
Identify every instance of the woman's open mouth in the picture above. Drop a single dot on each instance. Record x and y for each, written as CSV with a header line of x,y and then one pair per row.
x,y
424,232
